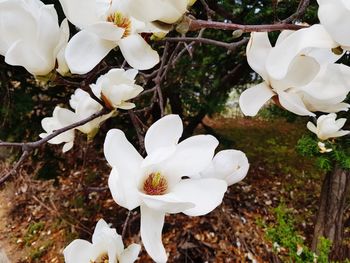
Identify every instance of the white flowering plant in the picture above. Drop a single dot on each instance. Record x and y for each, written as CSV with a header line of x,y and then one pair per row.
x,y
114,59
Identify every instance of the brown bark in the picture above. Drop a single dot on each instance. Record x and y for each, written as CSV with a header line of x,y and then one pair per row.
x,y
330,216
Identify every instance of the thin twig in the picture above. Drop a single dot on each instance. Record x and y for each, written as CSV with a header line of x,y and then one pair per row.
x,y
229,46
27,147
31,145
195,25
157,80
209,11
14,169
303,5
126,224
139,131
97,189
170,61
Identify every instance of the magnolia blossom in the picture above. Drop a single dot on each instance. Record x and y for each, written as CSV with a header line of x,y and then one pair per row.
x,y
323,148
300,70
105,25
106,246
116,87
84,107
31,36
334,15
60,118
328,127
229,165
162,182
167,11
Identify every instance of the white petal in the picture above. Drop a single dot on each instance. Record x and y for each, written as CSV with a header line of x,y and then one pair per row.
x,y
123,188
131,74
335,17
108,239
118,94
158,155
151,233
48,32
85,50
101,224
206,194
166,11
115,76
192,156
340,123
16,23
106,31
330,86
281,56
80,13
328,108
61,48
120,152
22,54
167,203
77,251
127,106
67,146
130,254
302,70
293,103
283,35
231,166
340,133
138,53
258,49
252,99
311,127
65,116
165,132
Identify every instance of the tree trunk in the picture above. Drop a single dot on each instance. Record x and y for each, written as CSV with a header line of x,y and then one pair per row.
x,y
330,216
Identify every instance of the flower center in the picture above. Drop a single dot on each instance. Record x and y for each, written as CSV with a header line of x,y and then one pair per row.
x,y
101,259
120,20
155,184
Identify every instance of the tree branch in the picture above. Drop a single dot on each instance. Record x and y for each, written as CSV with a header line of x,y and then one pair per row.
x,y
229,46
195,25
157,80
303,5
27,147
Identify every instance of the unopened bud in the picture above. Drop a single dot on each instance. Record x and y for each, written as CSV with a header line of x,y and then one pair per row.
x,y
183,26
337,50
237,33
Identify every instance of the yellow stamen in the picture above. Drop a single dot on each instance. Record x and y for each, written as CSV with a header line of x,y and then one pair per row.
x,y
122,21
155,184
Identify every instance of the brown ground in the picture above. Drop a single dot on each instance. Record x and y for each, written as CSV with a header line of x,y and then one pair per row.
x,y
40,217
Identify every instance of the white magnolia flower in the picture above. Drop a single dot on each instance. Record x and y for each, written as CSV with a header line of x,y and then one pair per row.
x,y
229,165
106,246
328,127
334,15
31,36
323,148
116,87
84,106
161,183
300,70
167,11
60,118
105,25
